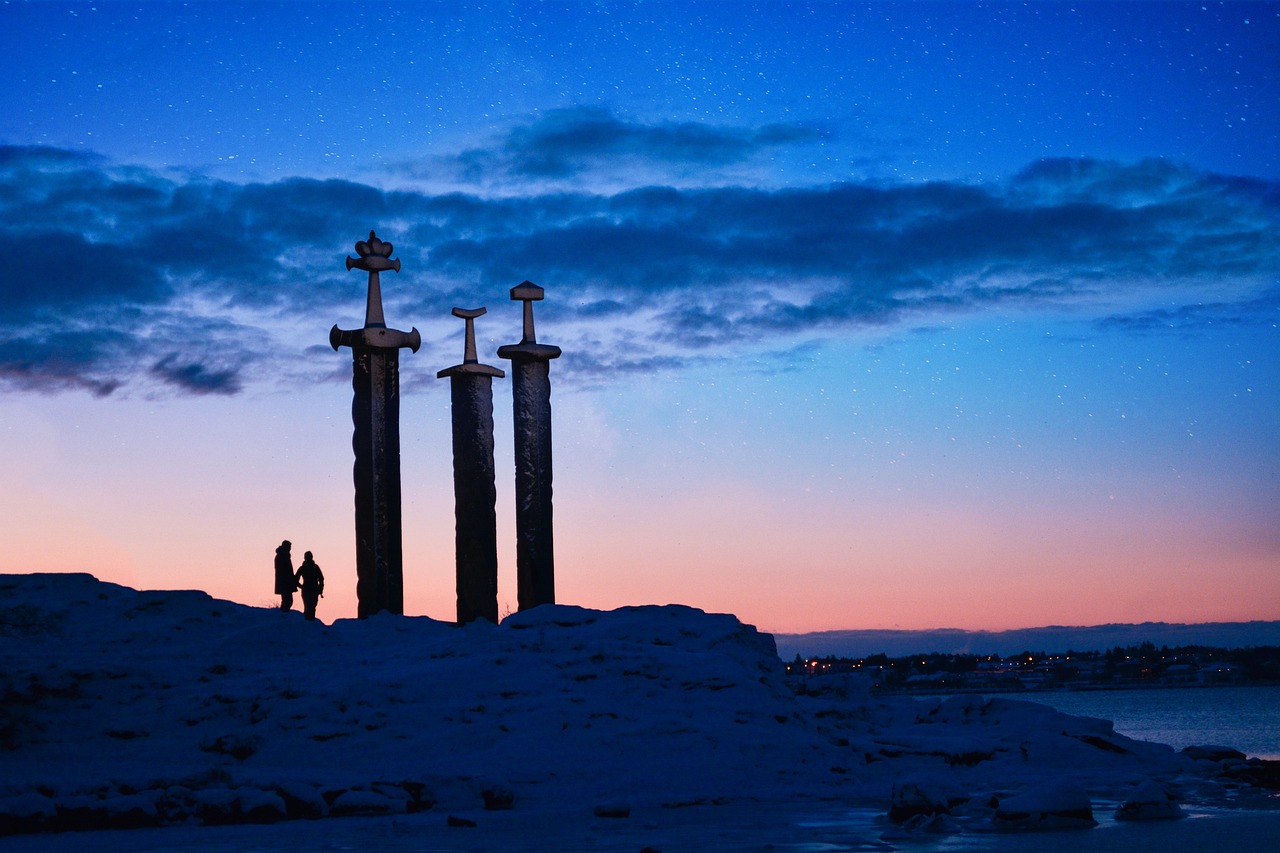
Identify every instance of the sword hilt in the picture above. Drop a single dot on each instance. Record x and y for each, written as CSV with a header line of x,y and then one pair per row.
x,y
469,348
529,293
375,257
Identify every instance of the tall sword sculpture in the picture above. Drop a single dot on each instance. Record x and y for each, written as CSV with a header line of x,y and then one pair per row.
x,y
474,490
375,413
531,396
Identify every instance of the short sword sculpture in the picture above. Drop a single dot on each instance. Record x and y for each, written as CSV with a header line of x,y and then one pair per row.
x,y
375,414
531,395
474,489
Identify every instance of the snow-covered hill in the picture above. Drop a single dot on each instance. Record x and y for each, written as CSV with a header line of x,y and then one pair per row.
x,y
128,708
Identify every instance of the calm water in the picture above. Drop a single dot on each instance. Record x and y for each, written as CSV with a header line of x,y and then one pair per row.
x,y
1247,718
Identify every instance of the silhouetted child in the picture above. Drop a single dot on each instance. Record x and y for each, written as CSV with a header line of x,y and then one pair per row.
x,y
285,584
311,581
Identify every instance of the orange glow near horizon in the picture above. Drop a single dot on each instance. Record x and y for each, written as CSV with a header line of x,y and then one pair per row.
x,y
134,506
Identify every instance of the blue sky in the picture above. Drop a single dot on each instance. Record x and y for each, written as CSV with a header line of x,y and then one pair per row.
x,y
873,315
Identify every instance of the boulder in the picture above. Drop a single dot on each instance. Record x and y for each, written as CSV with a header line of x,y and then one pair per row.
x,y
613,808
131,811
254,805
1051,805
1149,801
926,795
366,803
1213,753
28,812
498,798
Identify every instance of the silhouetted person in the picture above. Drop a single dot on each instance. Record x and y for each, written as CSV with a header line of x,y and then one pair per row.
x,y
311,581
285,584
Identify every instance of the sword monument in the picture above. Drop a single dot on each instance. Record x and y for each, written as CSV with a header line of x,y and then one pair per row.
x,y
531,398
474,489
375,414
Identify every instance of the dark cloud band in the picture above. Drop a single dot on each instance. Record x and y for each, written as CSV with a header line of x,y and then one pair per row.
x,y
131,260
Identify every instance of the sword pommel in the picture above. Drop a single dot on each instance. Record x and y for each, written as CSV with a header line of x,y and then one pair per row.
x,y
375,256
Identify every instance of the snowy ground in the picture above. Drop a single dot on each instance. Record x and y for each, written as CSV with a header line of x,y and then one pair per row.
x,y
619,730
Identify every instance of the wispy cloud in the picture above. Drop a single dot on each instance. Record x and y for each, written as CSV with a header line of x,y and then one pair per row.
x,y
112,267
196,378
566,142
1197,317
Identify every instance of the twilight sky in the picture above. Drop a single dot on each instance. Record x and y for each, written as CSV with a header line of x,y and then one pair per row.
x,y
873,315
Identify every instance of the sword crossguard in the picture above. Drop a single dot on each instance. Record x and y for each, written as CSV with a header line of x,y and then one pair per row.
x,y
374,337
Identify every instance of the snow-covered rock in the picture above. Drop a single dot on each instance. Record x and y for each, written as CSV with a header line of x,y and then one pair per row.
x,y
613,808
1213,753
1050,805
123,707
924,794
26,812
359,802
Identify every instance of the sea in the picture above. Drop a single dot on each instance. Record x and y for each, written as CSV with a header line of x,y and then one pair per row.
x,y
1244,717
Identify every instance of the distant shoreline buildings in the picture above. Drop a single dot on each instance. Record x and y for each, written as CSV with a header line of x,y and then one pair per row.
x,y
1138,666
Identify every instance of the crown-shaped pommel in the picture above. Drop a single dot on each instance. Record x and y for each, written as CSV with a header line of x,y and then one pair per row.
x,y
375,256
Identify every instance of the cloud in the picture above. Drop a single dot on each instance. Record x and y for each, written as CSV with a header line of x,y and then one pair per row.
x,y
46,363
60,270
126,278
1198,317
196,378
568,141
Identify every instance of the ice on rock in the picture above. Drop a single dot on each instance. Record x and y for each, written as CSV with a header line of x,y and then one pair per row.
x,y
1150,801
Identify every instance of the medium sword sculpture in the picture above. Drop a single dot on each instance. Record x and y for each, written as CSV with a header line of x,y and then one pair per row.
x,y
474,489
375,414
531,399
